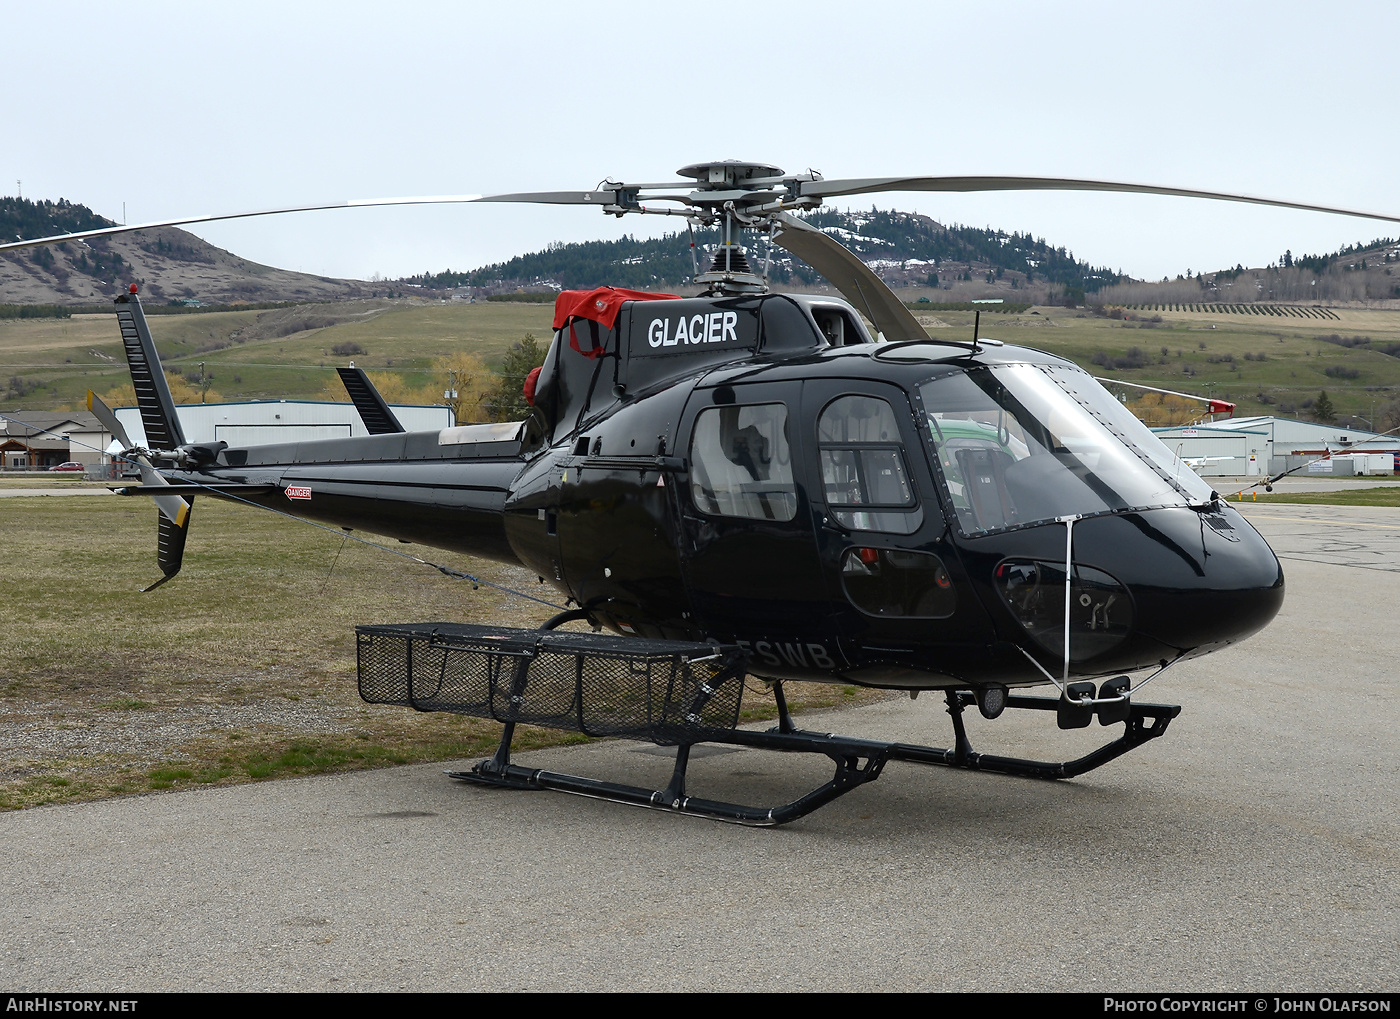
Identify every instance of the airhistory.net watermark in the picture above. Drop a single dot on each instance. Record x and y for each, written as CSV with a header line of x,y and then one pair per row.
x,y
41,1003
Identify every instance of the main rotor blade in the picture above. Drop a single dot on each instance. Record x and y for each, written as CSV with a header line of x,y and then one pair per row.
x,y
852,277
869,185
555,197
539,197
354,203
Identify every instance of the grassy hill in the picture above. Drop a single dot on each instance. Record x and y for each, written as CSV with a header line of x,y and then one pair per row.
x,y
1367,271
1266,364
907,249
168,264
275,354
1266,361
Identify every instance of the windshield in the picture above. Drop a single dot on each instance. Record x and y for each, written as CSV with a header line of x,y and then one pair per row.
x,y
1024,444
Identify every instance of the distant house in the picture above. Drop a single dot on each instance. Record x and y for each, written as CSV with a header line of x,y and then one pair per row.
x,y
49,438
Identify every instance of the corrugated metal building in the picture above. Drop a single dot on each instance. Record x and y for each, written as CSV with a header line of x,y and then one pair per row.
x,y
264,421
1224,450
1275,443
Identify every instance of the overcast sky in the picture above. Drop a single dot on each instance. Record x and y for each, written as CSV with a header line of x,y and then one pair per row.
x,y
188,108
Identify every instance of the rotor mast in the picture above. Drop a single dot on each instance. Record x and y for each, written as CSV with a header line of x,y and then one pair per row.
x,y
734,196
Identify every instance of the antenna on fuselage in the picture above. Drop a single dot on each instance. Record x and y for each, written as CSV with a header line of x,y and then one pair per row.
x,y
977,318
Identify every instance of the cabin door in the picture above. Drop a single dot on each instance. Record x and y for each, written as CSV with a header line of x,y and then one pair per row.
x,y
904,608
748,545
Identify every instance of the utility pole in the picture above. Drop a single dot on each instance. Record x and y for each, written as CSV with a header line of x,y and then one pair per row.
x,y
203,385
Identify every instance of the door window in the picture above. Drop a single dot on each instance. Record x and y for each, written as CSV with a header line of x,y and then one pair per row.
x,y
741,463
863,472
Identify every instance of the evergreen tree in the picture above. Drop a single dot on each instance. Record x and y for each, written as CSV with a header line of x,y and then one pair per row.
x,y
506,399
1323,410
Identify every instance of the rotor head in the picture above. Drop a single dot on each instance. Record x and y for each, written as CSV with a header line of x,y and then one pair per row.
x,y
732,173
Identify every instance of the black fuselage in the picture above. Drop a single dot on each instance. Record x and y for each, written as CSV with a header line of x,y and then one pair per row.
x,y
621,492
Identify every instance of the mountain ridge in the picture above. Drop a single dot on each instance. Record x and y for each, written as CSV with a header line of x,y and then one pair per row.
x,y
906,249
167,263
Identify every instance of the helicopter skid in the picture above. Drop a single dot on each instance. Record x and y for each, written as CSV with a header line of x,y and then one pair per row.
x,y
857,762
1136,732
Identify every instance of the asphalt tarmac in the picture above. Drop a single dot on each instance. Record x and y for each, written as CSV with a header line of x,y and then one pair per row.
x,y
1252,848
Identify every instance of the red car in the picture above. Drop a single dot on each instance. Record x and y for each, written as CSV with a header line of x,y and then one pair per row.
x,y
71,465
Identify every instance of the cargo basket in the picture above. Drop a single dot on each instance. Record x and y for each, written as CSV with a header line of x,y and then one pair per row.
x,y
596,684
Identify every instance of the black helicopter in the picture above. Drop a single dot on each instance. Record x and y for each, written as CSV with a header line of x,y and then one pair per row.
x,y
752,483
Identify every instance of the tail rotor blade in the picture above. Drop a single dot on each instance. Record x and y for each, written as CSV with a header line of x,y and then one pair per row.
x,y
108,419
172,507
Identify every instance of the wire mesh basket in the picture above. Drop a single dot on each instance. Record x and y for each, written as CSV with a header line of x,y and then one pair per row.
x,y
596,684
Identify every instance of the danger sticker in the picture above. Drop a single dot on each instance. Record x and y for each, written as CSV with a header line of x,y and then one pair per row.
x,y
298,492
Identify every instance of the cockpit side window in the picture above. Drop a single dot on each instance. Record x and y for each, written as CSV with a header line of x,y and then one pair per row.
x,y
837,326
741,462
864,475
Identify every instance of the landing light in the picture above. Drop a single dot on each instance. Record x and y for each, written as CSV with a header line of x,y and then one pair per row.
x,y
991,700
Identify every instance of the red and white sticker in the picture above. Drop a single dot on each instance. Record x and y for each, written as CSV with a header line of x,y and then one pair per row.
x,y
298,492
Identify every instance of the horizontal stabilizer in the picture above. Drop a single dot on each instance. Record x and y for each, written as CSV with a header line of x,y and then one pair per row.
x,y
374,412
163,489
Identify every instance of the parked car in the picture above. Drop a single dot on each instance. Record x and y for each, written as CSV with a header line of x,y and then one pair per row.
x,y
71,465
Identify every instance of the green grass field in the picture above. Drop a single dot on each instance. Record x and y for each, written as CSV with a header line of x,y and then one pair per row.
x,y
1293,369
241,668
405,337
1385,496
63,356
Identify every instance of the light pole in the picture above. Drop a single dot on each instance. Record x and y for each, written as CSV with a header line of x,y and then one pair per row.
x,y
1371,420
449,395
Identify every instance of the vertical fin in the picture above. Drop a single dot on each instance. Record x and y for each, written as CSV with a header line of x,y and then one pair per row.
x,y
158,415
374,411
170,543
